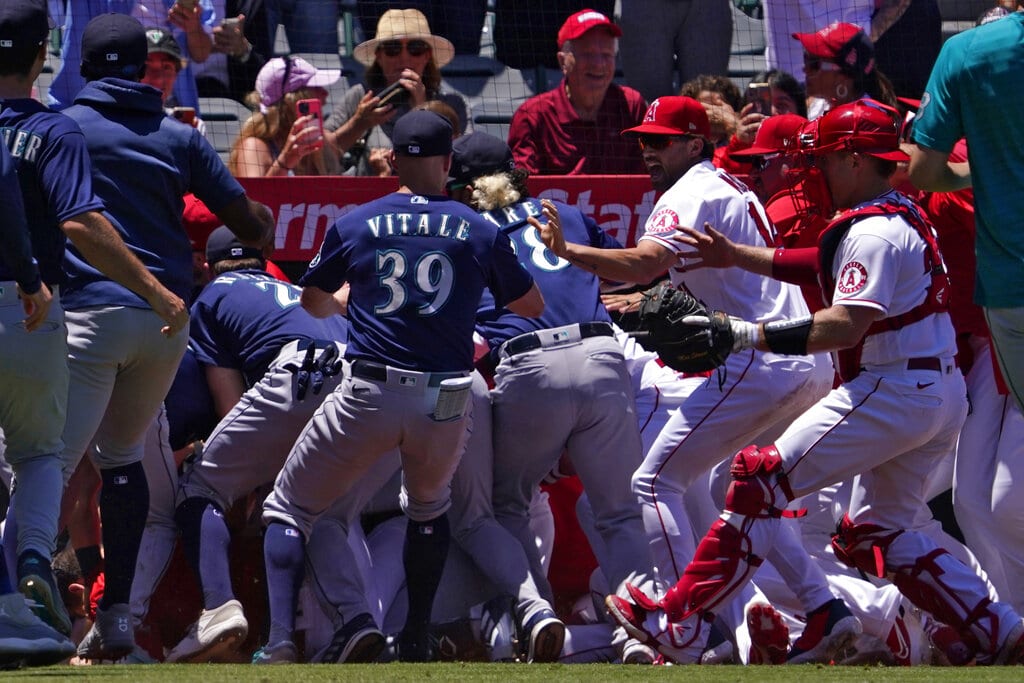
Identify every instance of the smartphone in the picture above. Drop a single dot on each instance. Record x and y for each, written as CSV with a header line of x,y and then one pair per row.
x,y
760,94
185,115
394,94
312,107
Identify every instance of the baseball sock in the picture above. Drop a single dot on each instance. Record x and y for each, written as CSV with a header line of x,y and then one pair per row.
x,y
284,554
206,540
90,561
5,577
124,505
423,557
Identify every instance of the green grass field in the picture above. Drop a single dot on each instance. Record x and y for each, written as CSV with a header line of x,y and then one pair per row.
x,y
513,673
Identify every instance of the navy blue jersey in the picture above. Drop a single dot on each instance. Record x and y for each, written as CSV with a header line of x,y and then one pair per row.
x,y
571,295
417,267
190,411
54,171
143,164
243,318
16,260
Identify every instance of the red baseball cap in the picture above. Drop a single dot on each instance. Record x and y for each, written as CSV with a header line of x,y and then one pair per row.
x,y
674,115
583,21
844,44
776,134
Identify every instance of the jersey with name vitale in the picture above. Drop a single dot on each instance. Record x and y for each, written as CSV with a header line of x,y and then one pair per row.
x,y
243,318
54,172
417,266
571,295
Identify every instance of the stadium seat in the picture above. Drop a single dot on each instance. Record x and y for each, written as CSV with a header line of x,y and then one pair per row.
x,y
224,118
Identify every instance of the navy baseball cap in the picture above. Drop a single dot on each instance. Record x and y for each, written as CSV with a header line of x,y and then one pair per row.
x,y
115,45
422,133
476,155
23,24
222,245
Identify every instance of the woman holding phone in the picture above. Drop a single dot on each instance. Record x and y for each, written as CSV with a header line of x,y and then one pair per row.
x,y
403,65
286,136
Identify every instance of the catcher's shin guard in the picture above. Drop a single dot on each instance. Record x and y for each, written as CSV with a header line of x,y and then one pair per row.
x,y
724,560
929,576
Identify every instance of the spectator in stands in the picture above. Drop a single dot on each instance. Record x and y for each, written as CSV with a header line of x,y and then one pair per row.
x,y
574,128
788,94
907,37
524,31
164,63
461,22
191,27
404,51
276,140
241,46
309,25
839,64
722,100
663,39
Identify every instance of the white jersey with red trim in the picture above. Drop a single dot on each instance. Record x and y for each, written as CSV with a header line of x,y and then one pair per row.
x,y
882,264
706,194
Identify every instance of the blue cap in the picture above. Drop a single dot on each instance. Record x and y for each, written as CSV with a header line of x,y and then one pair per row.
x,y
114,45
223,245
479,154
23,24
422,133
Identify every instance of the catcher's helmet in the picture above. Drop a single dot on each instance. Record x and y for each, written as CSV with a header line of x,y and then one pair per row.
x,y
864,126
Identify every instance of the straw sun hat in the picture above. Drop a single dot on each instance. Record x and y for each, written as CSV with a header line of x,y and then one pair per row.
x,y
408,24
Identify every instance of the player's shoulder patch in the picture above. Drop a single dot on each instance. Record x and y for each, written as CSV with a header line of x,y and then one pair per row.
x,y
852,278
662,221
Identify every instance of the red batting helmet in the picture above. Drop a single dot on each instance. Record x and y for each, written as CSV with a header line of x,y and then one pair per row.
x,y
864,126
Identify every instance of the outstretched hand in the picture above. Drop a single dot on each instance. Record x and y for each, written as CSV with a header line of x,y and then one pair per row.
x,y
550,232
710,249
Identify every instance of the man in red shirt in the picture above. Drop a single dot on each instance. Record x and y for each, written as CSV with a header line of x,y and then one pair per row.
x,y
574,128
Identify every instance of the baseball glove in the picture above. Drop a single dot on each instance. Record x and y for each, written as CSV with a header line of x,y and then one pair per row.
x,y
682,331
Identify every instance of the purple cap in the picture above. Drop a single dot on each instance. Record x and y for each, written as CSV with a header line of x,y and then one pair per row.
x,y
282,75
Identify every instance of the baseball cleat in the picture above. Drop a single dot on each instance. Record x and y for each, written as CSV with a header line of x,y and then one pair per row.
x,y
46,601
111,636
949,647
635,652
830,629
545,634
25,639
652,627
769,635
214,636
358,641
282,652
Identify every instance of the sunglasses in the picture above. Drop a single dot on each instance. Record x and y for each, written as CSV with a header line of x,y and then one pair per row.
x,y
415,48
658,142
819,64
762,162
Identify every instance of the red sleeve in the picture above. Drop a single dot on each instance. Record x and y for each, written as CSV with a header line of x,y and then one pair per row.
x,y
276,271
523,140
797,266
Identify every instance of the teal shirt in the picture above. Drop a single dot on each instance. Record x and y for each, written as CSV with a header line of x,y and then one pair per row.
x,y
976,91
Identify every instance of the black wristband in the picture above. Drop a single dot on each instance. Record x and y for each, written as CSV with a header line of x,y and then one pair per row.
x,y
788,336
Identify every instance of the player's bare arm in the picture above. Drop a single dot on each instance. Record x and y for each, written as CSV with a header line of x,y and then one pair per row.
x,y
321,304
712,249
226,386
95,237
253,222
641,264
931,170
36,306
529,305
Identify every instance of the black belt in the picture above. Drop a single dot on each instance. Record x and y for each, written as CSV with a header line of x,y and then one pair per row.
x,y
934,364
531,340
377,372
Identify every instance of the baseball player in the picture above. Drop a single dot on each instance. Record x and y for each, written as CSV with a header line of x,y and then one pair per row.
x,y
899,409
561,383
23,635
57,191
267,363
758,391
417,264
121,365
